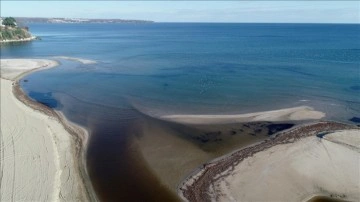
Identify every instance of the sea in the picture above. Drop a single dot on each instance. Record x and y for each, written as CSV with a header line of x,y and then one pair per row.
x,y
155,69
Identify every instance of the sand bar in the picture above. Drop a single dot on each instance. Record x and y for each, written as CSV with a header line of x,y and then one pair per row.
x,y
81,60
287,114
296,165
41,159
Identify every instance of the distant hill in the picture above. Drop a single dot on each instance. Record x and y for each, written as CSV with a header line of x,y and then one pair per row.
x,y
26,20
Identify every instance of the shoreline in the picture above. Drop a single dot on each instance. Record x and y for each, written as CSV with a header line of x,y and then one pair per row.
x,y
19,40
197,185
79,135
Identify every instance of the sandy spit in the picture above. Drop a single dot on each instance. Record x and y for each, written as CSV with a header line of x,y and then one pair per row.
x,y
42,154
287,114
295,165
81,60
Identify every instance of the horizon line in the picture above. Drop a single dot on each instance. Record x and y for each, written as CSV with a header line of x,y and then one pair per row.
x,y
209,22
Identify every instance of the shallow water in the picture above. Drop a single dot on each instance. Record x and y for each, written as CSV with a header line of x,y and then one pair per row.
x,y
165,68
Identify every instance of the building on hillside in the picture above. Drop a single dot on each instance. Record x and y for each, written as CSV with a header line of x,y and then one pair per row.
x,y
2,20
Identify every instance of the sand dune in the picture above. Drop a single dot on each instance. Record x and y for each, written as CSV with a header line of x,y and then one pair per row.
x,y
38,161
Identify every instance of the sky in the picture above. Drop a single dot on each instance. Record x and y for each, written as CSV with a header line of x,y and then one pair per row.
x,y
191,11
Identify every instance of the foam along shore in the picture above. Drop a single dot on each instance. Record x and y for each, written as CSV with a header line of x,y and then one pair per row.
x,y
287,114
19,40
294,166
40,159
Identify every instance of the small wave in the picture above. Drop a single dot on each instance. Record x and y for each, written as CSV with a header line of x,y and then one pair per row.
x,y
81,60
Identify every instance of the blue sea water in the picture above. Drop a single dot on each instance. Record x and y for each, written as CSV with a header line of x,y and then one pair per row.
x,y
202,68
186,68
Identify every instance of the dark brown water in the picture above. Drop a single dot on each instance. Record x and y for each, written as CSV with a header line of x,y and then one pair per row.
x,y
116,169
326,199
118,172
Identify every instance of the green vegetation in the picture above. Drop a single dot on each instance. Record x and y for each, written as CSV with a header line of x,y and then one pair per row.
x,y
13,33
9,21
10,30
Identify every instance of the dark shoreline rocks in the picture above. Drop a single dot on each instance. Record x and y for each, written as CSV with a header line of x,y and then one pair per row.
x,y
355,119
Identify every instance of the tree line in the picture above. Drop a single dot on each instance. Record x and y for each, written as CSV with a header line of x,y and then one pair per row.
x,y
9,21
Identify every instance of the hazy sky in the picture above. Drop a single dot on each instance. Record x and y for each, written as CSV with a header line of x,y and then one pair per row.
x,y
191,11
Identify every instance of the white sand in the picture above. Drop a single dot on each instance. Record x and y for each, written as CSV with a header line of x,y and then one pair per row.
x,y
37,153
12,69
298,171
288,114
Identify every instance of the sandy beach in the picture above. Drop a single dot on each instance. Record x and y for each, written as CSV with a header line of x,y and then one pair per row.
x,y
317,159
41,153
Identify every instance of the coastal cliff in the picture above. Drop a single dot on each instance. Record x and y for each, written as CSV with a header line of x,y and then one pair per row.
x,y
11,32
